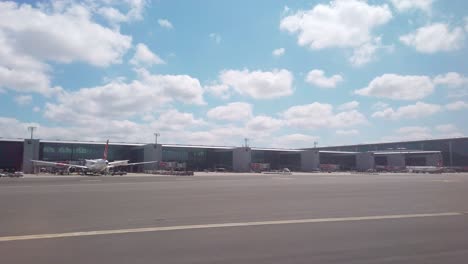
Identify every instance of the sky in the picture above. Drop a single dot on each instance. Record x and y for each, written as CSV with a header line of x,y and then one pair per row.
x,y
283,74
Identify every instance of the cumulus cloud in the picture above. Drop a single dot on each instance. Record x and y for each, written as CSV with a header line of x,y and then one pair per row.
x,y
145,57
278,52
173,120
264,123
342,24
318,115
348,106
219,90
435,38
296,140
398,87
318,78
236,111
379,105
367,52
26,45
259,84
405,5
165,23
451,79
417,110
457,105
423,132
23,99
133,9
414,132
124,100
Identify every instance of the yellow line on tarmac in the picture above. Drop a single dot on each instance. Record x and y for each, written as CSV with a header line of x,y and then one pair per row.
x,y
221,225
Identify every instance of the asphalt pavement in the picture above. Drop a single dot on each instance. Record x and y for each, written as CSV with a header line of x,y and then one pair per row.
x,y
235,218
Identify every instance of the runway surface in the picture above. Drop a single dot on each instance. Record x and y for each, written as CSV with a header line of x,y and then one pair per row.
x,y
235,218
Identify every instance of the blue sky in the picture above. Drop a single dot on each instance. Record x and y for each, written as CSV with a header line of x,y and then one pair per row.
x,y
281,73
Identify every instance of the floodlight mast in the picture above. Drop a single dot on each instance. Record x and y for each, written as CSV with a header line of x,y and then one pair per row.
x,y
156,135
31,129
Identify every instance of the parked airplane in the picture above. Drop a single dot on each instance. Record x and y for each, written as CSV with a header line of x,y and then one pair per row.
x,y
93,166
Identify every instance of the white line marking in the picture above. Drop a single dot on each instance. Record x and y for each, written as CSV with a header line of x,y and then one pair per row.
x,y
186,227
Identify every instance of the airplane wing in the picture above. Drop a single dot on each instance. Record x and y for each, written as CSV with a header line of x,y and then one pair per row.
x,y
57,164
125,163
117,163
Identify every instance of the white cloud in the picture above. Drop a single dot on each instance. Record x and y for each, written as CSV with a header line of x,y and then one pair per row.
x,y
366,52
182,88
409,133
278,52
124,100
317,115
144,57
165,23
216,37
398,87
448,130
36,109
26,45
113,15
451,79
23,99
414,132
47,35
342,24
295,140
458,105
348,106
422,132
351,132
435,38
264,123
236,111
173,120
317,77
405,5
417,110
380,105
219,90
259,84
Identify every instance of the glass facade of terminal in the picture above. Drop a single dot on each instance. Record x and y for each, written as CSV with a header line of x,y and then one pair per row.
x,y
199,158
76,152
454,151
11,155
277,159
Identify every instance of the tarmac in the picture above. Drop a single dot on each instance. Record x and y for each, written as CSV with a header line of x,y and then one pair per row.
x,y
235,218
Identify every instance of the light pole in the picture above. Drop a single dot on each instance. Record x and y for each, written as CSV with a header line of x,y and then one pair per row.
x,y
156,135
31,129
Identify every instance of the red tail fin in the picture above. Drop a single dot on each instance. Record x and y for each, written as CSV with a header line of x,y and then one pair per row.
x,y
106,148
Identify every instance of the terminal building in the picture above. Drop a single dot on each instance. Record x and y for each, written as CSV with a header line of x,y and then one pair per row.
x,y
16,155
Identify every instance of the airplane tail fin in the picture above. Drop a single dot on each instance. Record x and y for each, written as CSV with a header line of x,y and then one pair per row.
x,y
106,148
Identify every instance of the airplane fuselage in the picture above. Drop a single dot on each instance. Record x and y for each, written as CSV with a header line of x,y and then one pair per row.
x,y
97,165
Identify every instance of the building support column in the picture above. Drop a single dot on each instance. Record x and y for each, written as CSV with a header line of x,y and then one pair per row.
x,y
241,159
365,161
310,160
30,152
